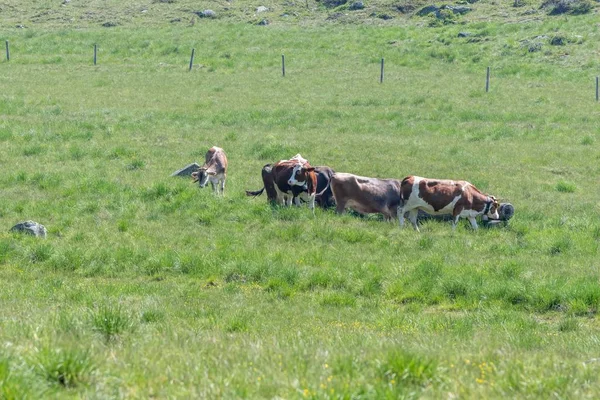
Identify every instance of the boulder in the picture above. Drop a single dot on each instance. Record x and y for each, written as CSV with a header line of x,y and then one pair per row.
x,y
187,170
30,228
261,9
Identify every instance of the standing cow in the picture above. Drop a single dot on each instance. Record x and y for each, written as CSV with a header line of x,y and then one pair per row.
x,y
213,170
366,195
442,197
323,197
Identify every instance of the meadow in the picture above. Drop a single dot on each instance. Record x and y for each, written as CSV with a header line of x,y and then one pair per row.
x,y
148,286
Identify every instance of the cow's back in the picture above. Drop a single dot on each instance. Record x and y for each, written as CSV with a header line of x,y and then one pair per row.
x,y
216,158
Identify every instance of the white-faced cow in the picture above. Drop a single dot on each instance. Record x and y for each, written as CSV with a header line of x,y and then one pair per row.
x,y
440,197
213,170
366,195
323,196
291,175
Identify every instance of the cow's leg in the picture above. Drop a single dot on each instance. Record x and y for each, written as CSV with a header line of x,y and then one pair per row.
x,y
340,207
401,216
214,186
473,222
223,186
288,200
456,217
412,215
311,203
297,201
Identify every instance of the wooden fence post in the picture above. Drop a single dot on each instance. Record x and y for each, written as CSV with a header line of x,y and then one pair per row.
x,y
95,53
7,52
381,76
597,93
487,80
283,65
192,59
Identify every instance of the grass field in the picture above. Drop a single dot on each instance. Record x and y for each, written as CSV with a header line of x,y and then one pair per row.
x,y
150,287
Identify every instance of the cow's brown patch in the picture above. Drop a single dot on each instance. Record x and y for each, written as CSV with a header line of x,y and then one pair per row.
x,y
438,194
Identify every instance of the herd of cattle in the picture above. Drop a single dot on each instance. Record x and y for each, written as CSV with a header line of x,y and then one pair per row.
x,y
296,181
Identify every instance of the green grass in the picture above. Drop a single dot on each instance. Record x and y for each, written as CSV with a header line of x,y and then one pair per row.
x,y
148,286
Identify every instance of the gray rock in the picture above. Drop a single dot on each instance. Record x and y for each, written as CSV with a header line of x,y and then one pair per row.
x,y
357,5
261,9
464,34
264,22
109,24
427,10
208,14
187,170
458,9
30,228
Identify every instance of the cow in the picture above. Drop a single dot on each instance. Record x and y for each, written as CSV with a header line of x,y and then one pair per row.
x,y
366,195
323,197
213,170
442,197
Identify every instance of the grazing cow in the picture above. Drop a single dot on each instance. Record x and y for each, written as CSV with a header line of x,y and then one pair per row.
x,y
366,195
213,170
323,196
439,197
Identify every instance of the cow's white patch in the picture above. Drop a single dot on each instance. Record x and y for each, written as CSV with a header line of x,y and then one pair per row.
x,y
293,181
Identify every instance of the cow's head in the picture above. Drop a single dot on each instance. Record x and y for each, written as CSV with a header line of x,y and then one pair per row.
x,y
300,175
491,208
201,176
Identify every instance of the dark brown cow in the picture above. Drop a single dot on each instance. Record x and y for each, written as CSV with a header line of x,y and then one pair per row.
x,y
213,170
439,197
366,195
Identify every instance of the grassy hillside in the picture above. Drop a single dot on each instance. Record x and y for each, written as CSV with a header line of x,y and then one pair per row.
x,y
149,287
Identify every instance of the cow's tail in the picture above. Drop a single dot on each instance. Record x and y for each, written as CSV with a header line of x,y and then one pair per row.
x,y
255,193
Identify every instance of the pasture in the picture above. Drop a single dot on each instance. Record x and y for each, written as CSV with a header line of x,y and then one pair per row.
x,y
149,287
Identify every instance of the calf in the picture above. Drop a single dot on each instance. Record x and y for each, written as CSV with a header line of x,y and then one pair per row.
x,y
366,195
442,197
213,170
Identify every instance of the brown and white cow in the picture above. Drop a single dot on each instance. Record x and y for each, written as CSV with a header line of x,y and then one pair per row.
x,y
213,170
323,197
290,175
366,195
443,197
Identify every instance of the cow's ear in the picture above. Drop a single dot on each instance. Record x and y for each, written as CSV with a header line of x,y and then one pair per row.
x,y
309,169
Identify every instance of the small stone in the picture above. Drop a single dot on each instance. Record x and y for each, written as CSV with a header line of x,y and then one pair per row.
x,y
109,24
30,228
263,22
464,34
187,170
427,10
208,14
357,5
261,9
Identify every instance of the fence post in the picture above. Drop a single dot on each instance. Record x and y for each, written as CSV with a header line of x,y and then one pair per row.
x,y
597,93
283,65
487,80
95,53
192,59
381,76
7,52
